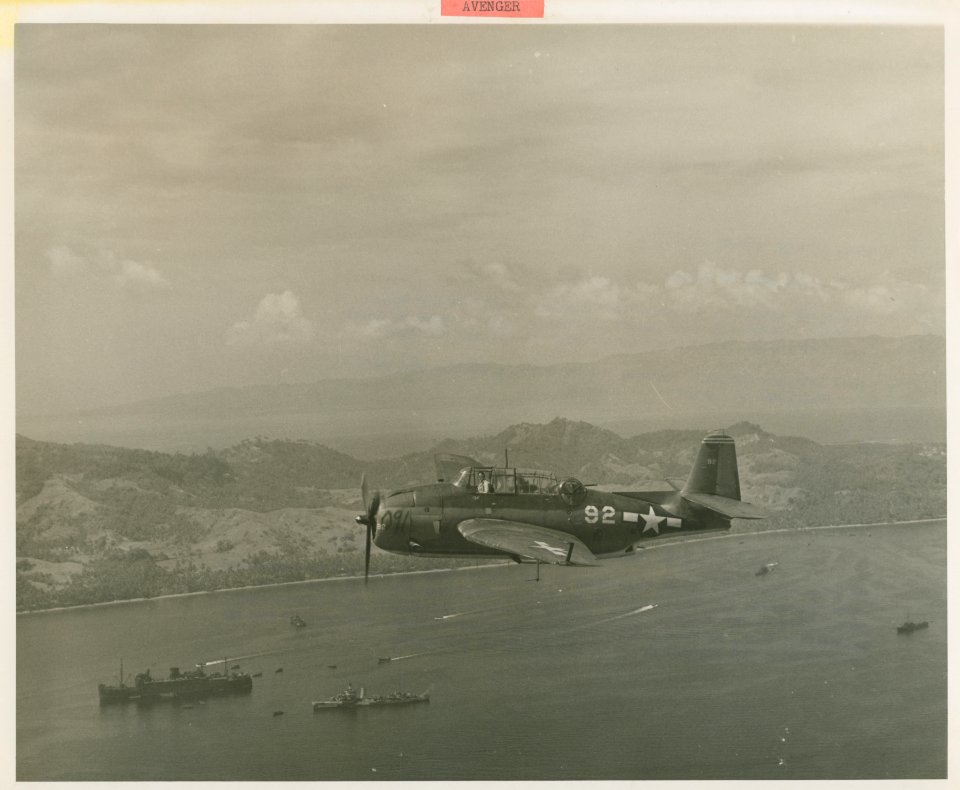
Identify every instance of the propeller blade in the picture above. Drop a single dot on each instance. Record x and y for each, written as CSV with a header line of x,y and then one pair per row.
x,y
369,519
366,554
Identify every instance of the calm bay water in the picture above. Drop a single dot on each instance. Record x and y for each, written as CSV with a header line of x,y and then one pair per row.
x,y
798,674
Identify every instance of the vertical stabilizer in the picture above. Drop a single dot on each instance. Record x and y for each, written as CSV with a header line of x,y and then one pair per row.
x,y
715,470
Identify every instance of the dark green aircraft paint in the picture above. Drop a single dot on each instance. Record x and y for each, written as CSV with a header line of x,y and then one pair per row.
x,y
530,515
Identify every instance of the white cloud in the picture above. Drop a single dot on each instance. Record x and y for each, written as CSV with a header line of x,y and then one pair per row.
x,y
501,276
64,261
140,277
434,325
592,297
104,264
720,291
375,327
277,320
678,279
714,286
889,297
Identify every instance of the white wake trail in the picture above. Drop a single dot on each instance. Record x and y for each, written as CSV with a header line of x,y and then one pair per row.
x,y
646,608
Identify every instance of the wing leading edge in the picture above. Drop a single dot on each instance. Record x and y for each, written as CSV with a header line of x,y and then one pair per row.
x,y
525,540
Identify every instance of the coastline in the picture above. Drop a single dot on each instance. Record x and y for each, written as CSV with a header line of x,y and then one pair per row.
x,y
122,601
492,564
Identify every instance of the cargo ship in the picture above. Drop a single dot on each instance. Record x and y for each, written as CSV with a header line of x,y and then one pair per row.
x,y
350,698
177,685
120,693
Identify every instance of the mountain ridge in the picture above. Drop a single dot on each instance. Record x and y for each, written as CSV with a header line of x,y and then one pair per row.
x,y
851,350
98,523
783,381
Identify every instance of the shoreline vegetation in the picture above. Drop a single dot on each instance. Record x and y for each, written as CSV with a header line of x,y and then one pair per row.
x,y
98,524
266,586
490,563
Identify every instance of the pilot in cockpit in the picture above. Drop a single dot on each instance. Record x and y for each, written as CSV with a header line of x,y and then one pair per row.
x,y
484,486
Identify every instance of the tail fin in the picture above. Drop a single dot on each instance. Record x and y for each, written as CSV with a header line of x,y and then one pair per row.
x,y
714,481
715,470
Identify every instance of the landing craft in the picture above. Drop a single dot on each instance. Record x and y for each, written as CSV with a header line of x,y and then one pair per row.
x,y
530,516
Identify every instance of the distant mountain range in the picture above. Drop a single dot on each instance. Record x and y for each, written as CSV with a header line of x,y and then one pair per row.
x,y
721,382
101,523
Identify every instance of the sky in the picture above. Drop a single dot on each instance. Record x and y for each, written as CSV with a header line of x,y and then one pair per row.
x,y
213,205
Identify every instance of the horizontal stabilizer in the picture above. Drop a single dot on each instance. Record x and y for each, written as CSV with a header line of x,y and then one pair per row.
x,y
729,508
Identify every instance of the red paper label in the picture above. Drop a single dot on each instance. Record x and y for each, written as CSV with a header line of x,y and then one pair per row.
x,y
514,8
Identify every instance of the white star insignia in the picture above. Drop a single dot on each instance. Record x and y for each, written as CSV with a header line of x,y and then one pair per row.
x,y
652,521
539,544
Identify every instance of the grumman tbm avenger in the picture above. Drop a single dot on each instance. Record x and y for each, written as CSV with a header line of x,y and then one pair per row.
x,y
528,515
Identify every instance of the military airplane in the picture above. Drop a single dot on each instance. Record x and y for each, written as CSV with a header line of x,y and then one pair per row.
x,y
528,515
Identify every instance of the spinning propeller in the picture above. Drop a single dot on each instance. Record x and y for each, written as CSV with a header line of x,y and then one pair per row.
x,y
369,519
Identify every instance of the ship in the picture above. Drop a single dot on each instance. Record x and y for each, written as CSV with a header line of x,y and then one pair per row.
x,y
765,569
396,698
178,685
119,693
348,698
909,627
351,699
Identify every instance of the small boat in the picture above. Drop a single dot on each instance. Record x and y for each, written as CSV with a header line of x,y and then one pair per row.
x,y
765,569
298,621
909,627
278,671
278,713
331,666
386,660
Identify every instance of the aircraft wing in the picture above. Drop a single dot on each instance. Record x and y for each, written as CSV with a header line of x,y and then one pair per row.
x,y
528,541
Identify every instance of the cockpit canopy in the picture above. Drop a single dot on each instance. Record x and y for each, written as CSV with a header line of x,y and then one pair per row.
x,y
507,480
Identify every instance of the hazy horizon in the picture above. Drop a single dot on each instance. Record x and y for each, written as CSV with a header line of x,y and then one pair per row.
x,y
427,367
838,389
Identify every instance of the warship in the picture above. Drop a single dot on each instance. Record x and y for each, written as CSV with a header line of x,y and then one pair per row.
x,y
351,699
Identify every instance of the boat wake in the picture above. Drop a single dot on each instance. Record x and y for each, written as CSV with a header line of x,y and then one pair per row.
x,y
240,658
472,611
642,609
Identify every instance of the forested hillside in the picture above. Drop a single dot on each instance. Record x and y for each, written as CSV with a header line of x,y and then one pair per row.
x,y
98,523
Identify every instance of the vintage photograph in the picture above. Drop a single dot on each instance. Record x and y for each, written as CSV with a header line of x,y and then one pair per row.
x,y
480,401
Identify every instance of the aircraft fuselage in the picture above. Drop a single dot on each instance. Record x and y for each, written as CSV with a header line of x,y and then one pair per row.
x,y
423,520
